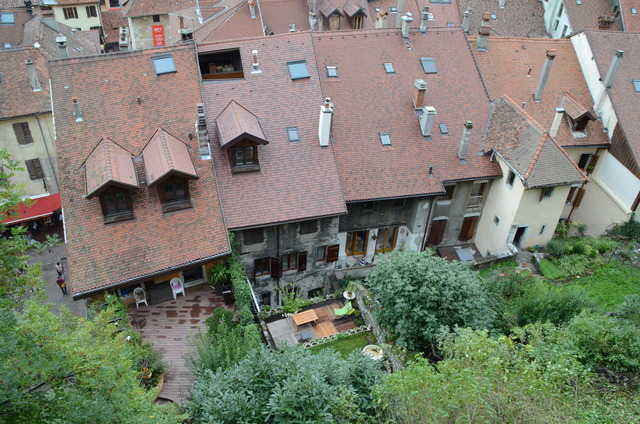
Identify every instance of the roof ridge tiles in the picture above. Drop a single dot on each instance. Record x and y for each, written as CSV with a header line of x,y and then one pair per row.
x,y
528,117
536,154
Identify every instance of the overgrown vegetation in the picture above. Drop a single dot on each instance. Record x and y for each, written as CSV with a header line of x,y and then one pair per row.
x,y
346,344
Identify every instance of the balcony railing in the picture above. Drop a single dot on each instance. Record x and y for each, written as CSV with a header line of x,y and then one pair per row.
x,y
475,201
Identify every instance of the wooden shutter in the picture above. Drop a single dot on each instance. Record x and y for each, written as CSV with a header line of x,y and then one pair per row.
x,y
302,261
23,133
592,164
578,198
275,267
468,228
436,233
332,252
35,169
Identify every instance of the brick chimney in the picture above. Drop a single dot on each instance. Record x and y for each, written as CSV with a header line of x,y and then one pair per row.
x,y
557,119
424,17
406,20
62,45
76,110
544,75
324,126
33,76
464,143
419,92
486,19
381,20
203,133
427,119
483,38
466,21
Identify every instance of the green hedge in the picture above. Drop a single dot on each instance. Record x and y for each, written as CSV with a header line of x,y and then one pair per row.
x,y
241,291
550,271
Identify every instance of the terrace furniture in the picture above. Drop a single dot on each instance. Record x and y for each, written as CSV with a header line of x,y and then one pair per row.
x,y
305,317
177,287
347,309
305,336
140,296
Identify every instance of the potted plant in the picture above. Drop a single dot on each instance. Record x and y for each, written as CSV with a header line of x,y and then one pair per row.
x,y
349,291
218,275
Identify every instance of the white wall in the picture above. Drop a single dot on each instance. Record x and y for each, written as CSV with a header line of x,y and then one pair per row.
x,y
613,175
551,9
535,213
502,201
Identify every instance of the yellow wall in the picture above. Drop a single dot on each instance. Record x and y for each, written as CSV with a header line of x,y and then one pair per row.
x,y
141,36
42,147
83,22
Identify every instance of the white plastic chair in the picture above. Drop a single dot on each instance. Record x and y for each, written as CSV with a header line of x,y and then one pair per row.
x,y
140,296
177,287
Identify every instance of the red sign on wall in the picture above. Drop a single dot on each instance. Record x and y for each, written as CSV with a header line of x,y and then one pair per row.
x,y
158,35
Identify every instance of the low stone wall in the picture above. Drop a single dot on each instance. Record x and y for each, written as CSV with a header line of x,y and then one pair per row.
x,y
323,340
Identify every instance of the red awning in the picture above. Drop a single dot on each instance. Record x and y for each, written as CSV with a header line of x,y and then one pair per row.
x,y
42,206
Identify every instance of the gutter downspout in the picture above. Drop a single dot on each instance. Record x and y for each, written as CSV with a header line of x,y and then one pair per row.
x,y
44,140
427,226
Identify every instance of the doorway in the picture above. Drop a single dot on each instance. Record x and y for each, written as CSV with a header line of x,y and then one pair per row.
x,y
519,235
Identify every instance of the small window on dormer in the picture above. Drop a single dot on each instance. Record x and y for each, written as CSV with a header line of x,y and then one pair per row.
x,y
244,158
174,194
116,205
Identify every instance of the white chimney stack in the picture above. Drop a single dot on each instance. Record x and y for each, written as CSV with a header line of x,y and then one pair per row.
x,y
424,17
76,110
255,66
464,143
406,20
427,119
33,75
544,75
398,13
252,8
466,21
312,21
203,133
62,45
364,5
483,38
381,20
502,3
613,69
557,119
324,126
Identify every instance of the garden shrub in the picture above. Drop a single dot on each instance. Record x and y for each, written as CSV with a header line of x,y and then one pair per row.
x,y
556,248
219,316
629,309
573,265
550,271
602,244
548,303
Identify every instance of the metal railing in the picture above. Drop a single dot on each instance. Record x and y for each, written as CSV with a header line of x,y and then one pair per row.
x,y
475,201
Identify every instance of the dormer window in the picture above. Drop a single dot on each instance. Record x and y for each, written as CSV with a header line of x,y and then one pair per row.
x,y
174,194
578,115
116,205
240,133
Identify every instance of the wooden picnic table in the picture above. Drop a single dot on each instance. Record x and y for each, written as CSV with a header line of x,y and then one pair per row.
x,y
305,317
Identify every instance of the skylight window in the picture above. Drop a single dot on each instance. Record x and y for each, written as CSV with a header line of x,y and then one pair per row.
x,y
494,17
450,24
332,72
578,2
388,68
385,139
634,11
292,133
428,65
298,69
164,64
393,10
443,129
636,85
7,18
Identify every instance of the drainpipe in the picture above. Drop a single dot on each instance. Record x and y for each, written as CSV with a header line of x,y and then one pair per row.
x,y
44,140
278,288
426,226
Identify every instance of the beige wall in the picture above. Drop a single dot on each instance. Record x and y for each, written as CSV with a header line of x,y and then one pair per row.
x,y
535,213
42,147
83,22
502,201
141,36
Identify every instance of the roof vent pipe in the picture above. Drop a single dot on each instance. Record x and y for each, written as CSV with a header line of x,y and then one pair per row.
x,y
544,75
324,126
203,132
406,20
613,69
464,143
364,5
255,66
426,120
424,17
466,21
76,110
418,94
252,8
33,75
557,119
483,38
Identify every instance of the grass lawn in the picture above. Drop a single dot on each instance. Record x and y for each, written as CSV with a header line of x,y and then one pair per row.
x,y
347,344
609,284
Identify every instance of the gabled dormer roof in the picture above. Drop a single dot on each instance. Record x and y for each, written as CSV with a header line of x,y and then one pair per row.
x,y
327,8
165,155
109,165
575,110
235,123
351,9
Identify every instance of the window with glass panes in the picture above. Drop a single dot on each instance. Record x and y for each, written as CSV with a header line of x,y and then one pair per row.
x,y
386,240
356,243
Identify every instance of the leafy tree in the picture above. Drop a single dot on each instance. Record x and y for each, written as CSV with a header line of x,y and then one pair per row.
x,y
289,386
421,295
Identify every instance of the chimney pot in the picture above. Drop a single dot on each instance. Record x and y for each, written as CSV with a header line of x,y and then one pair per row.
x,y
76,109
255,66
502,4
466,21
483,38
252,8
324,124
418,97
544,75
557,119
33,75
426,120
464,143
424,17
486,18
406,20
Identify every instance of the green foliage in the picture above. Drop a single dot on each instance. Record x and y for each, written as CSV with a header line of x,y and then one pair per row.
x,y
218,275
550,271
219,316
421,296
346,345
556,248
629,309
292,302
574,265
241,289
289,386
629,230
548,303
609,284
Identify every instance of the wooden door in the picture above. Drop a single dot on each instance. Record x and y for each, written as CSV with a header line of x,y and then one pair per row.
x,y
436,233
468,229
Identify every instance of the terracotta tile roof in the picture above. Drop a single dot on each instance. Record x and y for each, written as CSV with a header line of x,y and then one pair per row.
x,y
384,105
18,96
626,101
235,22
44,32
586,15
574,109
112,21
279,14
521,18
109,164
166,155
297,180
13,34
235,123
512,66
631,21
108,88
156,7
351,9
528,149
327,8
